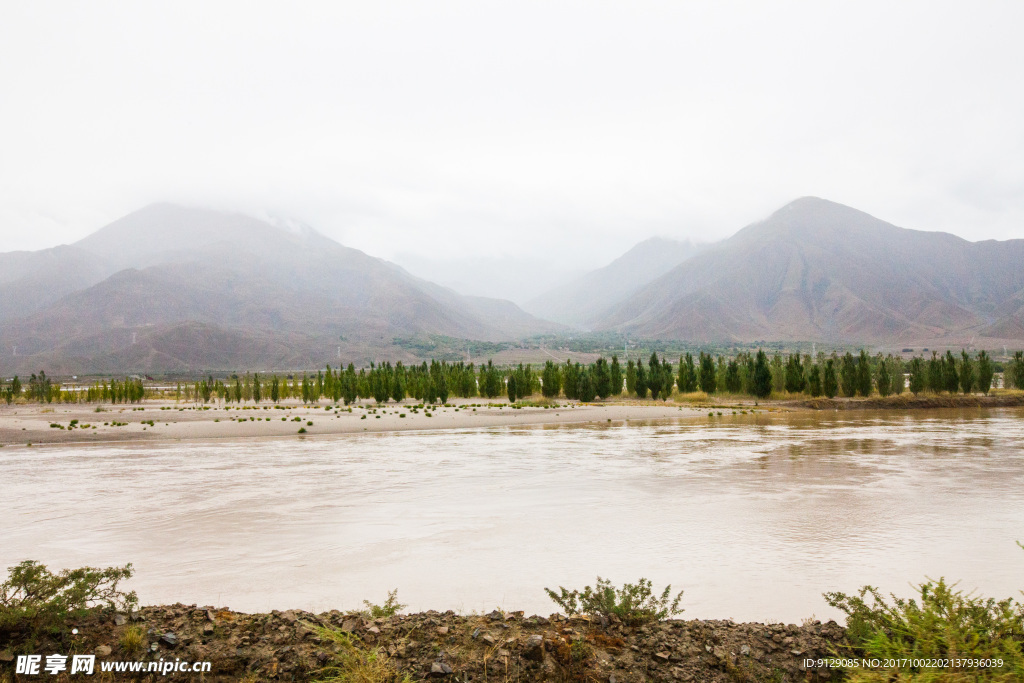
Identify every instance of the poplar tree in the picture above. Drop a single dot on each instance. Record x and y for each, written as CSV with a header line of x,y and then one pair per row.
x,y
641,379
585,386
733,382
630,378
918,375
814,381
864,374
761,380
829,381
985,372
966,372
708,378
654,376
949,373
883,379
510,386
848,376
615,376
602,379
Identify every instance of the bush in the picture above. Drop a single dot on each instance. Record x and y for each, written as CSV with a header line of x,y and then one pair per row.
x,y
33,598
633,603
354,664
945,624
390,608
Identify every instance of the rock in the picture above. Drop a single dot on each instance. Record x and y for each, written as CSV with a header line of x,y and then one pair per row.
x,y
442,630
496,616
207,629
488,638
350,625
440,669
154,647
476,634
120,620
534,648
103,651
744,649
289,616
169,639
6,656
373,630
661,656
210,616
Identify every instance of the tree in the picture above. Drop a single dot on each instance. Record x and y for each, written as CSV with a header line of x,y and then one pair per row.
x,y
951,380
985,372
551,380
883,379
687,375
794,374
641,379
510,386
966,372
630,378
602,379
762,378
814,381
654,376
708,378
936,381
1015,371
733,382
571,379
585,386
848,376
16,387
829,381
863,374
615,377
918,376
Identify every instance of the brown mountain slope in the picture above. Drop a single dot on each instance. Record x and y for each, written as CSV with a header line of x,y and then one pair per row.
x,y
816,270
243,293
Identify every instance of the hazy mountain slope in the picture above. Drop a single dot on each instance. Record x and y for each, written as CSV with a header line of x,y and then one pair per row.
x,y
240,290
816,270
585,299
29,280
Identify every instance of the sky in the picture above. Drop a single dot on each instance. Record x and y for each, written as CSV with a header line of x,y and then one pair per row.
x,y
457,136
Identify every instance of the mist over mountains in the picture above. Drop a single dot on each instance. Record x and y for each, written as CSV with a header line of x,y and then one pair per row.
x,y
171,289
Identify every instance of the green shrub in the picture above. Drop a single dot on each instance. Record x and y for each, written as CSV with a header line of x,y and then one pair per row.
x,y
633,603
390,608
945,624
33,598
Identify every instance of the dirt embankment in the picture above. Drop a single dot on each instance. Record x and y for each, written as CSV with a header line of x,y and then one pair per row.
x,y
909,401
300,646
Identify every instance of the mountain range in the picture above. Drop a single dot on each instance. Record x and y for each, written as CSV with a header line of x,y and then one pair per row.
x,y
816,270
170,288
176,289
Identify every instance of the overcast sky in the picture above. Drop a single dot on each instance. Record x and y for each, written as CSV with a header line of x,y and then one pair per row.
x,y
451,129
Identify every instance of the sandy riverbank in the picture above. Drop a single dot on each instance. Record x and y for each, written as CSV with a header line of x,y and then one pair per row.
x,y
24,424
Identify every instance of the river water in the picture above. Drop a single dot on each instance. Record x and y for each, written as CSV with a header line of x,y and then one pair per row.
x,y
754,516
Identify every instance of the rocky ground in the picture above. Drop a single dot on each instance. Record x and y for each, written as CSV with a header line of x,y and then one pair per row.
x,y
300,646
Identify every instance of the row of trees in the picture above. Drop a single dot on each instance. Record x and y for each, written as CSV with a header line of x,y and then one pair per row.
x,y
746,373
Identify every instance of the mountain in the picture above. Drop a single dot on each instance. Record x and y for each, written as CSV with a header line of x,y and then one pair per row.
x,y
584,300
817,270
170,288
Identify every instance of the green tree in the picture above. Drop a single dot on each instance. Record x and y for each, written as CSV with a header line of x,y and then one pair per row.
x,y
829,381
733,382
687,375
848,376
1015,371
936,380
615,377
571,379
16,387
794,374
883,380
585,388
510,387
985,372
918,375
949,373
761,382
708,377
864,374
814,381
630,378
654,376
966,372
641,379
551,380
602,379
